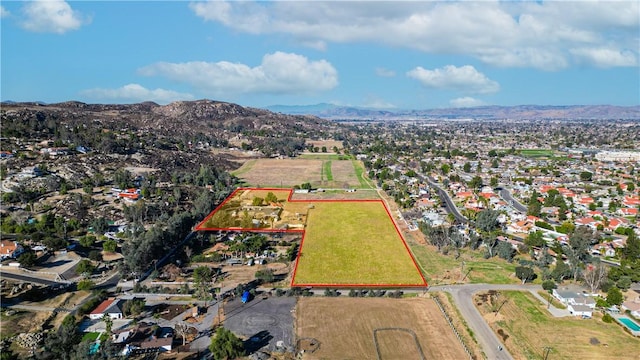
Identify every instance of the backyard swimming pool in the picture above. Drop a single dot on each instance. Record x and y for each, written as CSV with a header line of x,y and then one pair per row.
x,y
629,323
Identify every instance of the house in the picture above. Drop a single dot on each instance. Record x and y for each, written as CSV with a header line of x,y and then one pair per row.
x,y
577,304
580,310
111,307
628,211
633,306
10,249
603,249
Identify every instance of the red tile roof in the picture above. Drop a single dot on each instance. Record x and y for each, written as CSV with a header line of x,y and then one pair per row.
x,y
103,306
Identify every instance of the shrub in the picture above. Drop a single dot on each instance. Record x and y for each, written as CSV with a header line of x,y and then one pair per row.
x,y
607,318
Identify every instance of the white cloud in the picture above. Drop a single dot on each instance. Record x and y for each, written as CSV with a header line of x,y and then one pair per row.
x,y
465,102
279,73
464,79
4,12
603,57
501,33
137,93
51,16
382,72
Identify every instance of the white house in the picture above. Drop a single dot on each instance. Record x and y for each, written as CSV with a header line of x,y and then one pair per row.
x,y
580,310
578,301
111,307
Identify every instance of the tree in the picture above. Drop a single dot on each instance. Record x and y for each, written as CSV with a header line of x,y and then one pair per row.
x,y
133,307
87,241
487,220
548,286
586,176
525,273
476,182
270,198
505,251
466,167
561,271
27,259
95,255
110,246
594,275
85,267
257,201
85,284
182,330
108,322
225,345
202,277
535,239
614,296
265,275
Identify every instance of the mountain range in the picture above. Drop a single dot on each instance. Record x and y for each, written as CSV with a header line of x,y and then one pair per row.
x,y
520,112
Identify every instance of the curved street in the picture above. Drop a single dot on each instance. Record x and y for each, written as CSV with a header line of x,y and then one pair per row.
x,y
446,199
506,196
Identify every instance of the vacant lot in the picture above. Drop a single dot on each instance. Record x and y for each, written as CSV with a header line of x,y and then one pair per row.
x,y
280,172
322,171
353,243
526,328
344,329
446,269
361,194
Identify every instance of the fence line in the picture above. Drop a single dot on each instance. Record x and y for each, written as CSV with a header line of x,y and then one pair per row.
x,y
455,331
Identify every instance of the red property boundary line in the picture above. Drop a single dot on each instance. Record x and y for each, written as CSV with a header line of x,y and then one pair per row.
x,y
200,227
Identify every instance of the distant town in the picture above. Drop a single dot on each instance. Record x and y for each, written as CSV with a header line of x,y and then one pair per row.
x,y
203,229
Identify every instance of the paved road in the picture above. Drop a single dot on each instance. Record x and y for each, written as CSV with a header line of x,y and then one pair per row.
x,y
463,297
446,199
31,279
506,195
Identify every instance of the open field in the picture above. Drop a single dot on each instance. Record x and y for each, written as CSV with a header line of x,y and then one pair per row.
x,y
323,156
445,269
536,153
361,194
280,172
321,171
528,328
344,328
353,243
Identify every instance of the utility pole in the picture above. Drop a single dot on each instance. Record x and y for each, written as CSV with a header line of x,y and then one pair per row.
x,y
500,307
545,354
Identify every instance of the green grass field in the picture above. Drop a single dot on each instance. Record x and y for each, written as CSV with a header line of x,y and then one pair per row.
x,y
245,168
353,243
445,269
530,328
326,170
358,166
536,153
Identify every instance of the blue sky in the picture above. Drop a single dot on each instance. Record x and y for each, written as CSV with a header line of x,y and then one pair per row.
x,y
403,55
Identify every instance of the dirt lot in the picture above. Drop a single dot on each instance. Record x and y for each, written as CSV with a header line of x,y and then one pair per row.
x,y
280,172
344,328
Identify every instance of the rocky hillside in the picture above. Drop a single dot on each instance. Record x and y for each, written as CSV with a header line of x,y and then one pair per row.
x,y
178,137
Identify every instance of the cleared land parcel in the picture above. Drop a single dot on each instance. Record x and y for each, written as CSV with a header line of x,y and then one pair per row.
x,y
354,243
344,329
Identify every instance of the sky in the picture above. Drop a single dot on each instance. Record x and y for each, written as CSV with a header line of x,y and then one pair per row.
x,y
373,54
